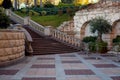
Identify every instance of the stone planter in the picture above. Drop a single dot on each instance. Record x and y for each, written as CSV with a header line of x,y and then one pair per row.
x,y
12,46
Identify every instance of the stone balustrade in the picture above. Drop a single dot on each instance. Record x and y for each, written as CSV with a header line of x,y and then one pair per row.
x,y
54,33
12,46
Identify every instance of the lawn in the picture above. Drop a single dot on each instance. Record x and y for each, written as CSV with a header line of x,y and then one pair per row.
x,y
49,20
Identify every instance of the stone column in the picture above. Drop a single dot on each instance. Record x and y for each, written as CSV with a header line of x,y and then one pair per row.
x,y
26,20
47,31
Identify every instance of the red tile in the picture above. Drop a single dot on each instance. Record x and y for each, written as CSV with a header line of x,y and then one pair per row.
x,y
45,58
43,66
8,72
79,72
116,78
108,55
67,55
41,78
105,65
92,58
71,62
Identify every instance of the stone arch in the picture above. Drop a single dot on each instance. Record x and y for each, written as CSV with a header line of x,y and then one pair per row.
x,y
115,29
82,31
109,37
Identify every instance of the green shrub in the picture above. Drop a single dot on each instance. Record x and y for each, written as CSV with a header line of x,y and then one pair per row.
x,y
89,39
60,12
36,13
64,5
1,9
43,13
98,47
4,21
24,10
48,4
68,10
92,47
116,40
31,12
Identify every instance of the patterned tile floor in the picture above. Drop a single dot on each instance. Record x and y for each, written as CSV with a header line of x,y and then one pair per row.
x,y
71,66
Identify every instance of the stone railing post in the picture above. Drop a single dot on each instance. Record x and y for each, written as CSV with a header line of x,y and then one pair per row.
x,y
26,20
47,31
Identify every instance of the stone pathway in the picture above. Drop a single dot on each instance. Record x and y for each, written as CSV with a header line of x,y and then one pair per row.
x,y
72,66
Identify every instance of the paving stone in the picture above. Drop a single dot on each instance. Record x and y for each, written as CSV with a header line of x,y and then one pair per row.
x,y
8,72
47,58
41,78
43,66
116,78
79,72
105,65
67,56
92,58
70,62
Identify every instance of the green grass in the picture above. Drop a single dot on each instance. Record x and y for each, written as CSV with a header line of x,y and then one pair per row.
x,y
49,20
52,20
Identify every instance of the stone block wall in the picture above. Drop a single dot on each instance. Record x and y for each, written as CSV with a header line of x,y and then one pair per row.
x,y
12,45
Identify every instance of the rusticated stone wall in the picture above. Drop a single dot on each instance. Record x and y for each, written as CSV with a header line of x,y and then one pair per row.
x,y
12,46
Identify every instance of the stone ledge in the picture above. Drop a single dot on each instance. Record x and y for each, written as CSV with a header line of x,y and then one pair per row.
x,y
12,62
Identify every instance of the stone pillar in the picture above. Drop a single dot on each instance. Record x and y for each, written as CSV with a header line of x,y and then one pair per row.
x,y
47,31
26,20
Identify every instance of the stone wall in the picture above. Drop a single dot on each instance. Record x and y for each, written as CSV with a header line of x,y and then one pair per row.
x,y
82,18
67,27
11,46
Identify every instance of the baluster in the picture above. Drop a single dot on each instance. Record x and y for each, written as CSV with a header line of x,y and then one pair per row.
x,y
60,37
63,37
68,40
72,41
55,35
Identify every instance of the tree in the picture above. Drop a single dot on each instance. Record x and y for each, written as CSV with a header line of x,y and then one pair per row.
x,y
35,3
4,20
41,4
7,4
101,26
67,1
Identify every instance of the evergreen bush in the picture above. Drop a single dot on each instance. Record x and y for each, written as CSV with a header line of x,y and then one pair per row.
x,y
4,21
89,39
116,40
98,47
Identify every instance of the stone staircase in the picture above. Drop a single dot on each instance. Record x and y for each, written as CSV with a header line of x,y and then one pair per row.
x,y
43,45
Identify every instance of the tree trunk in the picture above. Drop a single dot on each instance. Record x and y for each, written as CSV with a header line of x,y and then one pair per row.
x,y
15,4
41,4
99,39
18,4
35,3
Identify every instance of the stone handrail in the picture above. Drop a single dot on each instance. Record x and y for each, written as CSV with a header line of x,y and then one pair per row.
x,y
37,26
54,33
63,37
15,17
